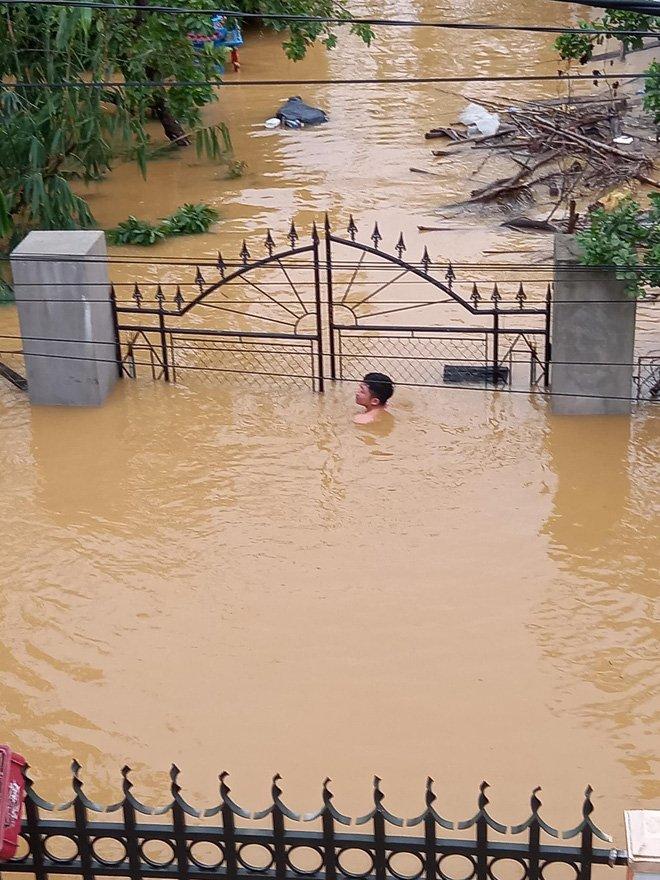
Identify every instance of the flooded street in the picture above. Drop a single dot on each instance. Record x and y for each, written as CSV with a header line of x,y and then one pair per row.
x,y
233,576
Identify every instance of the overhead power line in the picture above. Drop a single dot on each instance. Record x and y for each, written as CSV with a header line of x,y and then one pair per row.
x,y
356,81
315,19
290,260
207,369
155,330
650,7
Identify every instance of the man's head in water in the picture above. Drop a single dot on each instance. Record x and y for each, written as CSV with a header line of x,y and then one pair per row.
x,y
374,391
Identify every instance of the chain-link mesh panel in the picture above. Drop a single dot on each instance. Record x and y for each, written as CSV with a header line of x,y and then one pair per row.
x,y
408,359
287,362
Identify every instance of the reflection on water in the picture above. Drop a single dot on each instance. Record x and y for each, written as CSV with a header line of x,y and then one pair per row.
x,y
593,486
595,623
224,576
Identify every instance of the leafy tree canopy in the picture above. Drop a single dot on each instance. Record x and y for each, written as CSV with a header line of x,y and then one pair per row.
x,y
51,136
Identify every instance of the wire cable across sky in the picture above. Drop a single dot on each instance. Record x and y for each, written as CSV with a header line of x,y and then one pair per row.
x,y
336,20
351,81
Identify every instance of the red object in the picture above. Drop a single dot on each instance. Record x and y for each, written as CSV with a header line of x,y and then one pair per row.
x,y
235,63
12,789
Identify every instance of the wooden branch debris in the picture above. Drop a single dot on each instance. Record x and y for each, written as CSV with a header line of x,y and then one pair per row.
x,y
576,135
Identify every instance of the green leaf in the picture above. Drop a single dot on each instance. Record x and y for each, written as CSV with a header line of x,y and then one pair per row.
x,y
141,157
37,154
6,224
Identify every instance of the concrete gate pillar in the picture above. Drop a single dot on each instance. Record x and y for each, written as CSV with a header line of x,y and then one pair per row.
x,y
593,337
66,317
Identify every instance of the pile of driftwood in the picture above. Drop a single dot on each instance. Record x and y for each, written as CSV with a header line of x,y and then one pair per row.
x,y
574,147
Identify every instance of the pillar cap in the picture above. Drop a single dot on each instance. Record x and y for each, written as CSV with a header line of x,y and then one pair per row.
x,y
643,840
60,243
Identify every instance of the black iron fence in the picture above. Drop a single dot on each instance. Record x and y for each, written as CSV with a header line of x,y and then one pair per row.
x,y
324,309
235,842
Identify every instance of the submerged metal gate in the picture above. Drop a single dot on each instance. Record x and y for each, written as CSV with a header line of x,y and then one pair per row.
x,y
299,315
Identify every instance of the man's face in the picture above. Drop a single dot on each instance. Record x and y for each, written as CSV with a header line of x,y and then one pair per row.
x,y
363,396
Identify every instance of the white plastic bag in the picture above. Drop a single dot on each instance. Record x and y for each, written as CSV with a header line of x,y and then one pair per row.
x,y
474,114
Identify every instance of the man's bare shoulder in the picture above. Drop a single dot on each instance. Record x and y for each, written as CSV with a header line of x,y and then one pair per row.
x,y
368,418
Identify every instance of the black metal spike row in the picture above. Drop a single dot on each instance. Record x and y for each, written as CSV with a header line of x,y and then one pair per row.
x,y
270,244
199,278
315,234
245,253
521,296
160,296
221,265
376,237
426,260
475,296
548,294
352,228
450,275
178,298
496,296
137,295
374,841
326,222
400,246
292,234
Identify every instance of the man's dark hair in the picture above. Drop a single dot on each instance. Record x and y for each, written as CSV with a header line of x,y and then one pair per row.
x,y
380,385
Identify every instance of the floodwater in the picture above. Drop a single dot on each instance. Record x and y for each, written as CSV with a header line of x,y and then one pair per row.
x,y
235,577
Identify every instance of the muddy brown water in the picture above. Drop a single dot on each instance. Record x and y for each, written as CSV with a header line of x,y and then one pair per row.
x,y
233,576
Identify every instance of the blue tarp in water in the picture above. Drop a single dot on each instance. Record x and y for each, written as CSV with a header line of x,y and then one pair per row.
x,y
295,110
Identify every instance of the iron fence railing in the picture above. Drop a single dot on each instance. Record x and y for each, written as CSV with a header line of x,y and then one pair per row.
x,y
313,305
237,845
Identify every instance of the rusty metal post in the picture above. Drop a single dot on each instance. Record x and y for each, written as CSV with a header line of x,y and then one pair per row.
x,y
319,317
331,318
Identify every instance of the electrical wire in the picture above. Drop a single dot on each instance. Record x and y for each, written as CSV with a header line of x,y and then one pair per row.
x,y
309,377
313,19
382,264
348,304
289,342
353,81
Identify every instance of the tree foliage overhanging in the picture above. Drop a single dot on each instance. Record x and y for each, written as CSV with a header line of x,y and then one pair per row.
x,y
52,136
616,24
